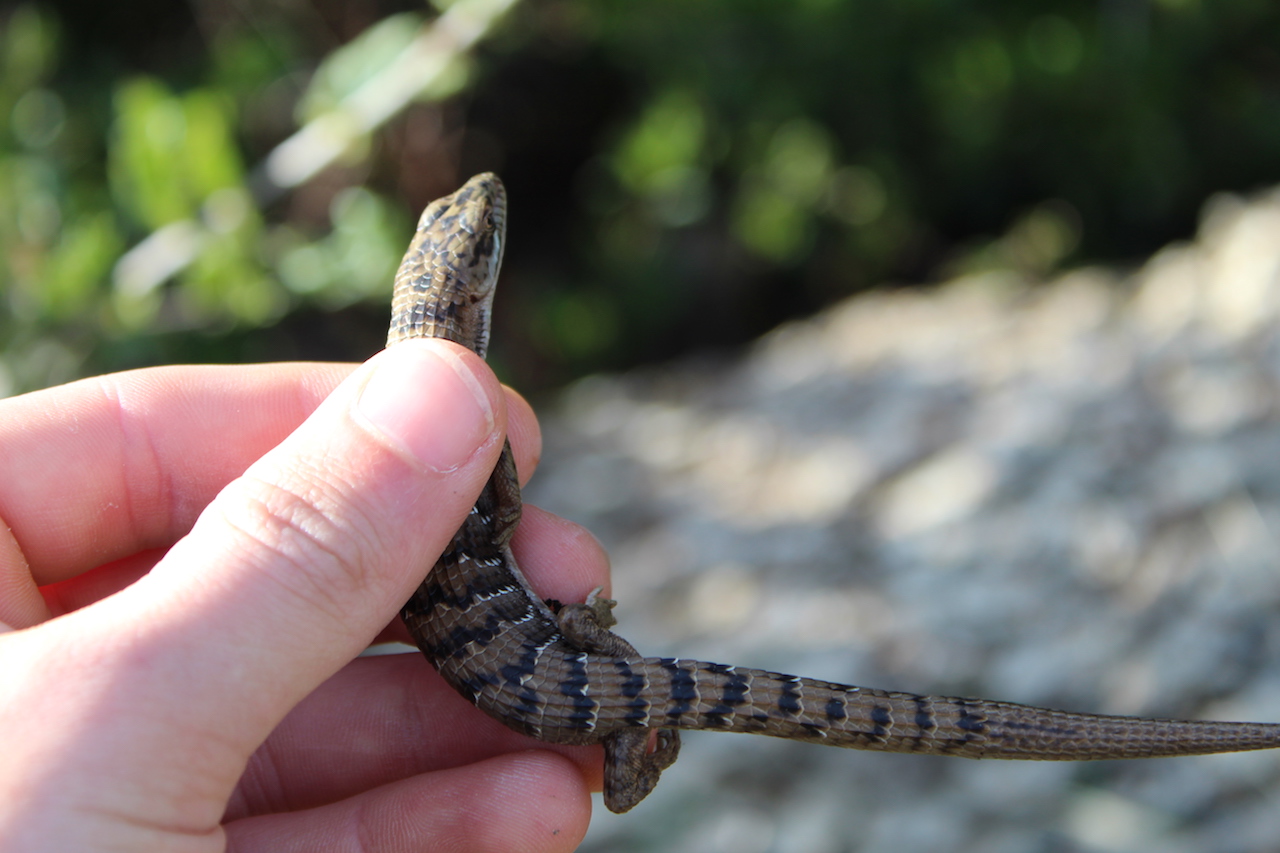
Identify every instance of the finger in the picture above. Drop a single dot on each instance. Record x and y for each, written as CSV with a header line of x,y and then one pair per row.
x,y
283,579
384,718
561,559
567,561
97,584
20,601
534,802
378,721
524,433
147,450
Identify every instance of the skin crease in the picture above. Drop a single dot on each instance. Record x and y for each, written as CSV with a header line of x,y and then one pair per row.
x,y
190,559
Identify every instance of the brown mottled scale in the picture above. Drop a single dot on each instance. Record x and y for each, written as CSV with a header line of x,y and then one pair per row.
x,y
562,677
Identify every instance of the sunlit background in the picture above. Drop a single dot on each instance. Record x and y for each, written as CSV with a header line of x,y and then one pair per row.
x,y
235,181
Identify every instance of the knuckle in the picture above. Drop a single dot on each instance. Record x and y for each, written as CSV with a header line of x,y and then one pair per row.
x,y
313,536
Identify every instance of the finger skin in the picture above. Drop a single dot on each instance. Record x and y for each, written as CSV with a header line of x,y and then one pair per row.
x,y
532,802
147,450
378,721
385,718
168,686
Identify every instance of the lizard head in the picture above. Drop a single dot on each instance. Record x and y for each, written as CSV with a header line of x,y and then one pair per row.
x,y
447,279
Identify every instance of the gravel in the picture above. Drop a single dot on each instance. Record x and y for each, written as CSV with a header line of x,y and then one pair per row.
x,y
1062,493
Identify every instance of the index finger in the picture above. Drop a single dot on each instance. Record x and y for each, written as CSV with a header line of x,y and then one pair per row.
x,y
101,469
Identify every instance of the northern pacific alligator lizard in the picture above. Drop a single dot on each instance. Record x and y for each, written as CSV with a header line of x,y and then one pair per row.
x,y
556,672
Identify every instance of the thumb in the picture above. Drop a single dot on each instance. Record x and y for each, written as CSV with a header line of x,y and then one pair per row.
x,y
287,575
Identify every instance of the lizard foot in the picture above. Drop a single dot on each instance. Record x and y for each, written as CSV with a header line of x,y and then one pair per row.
x,y
633,761
587,627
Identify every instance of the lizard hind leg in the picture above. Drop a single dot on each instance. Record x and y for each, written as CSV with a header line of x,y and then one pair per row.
x,y
633,758
633,761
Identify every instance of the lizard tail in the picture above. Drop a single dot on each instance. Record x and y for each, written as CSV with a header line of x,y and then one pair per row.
x,y
682,694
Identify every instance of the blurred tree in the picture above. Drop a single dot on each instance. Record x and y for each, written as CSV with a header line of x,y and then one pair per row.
x,y
209,181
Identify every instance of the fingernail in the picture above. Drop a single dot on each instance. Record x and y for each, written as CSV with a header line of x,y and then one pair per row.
x,y
425,398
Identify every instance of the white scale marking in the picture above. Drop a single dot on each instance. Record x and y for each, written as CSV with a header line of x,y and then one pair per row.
x,y
486,596
582,658
648,704
537,653
481,598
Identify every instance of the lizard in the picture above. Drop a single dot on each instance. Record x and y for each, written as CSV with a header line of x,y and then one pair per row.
x,y
559,674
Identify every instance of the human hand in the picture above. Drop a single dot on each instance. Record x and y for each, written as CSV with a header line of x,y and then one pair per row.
x,y
199,693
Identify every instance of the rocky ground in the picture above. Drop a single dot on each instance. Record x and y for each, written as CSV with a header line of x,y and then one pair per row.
x,y
1065,494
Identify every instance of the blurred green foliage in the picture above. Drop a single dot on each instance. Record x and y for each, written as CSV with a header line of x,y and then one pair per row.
x,y
682,173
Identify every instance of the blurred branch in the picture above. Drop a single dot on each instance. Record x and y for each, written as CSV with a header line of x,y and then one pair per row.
x,y
416,70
